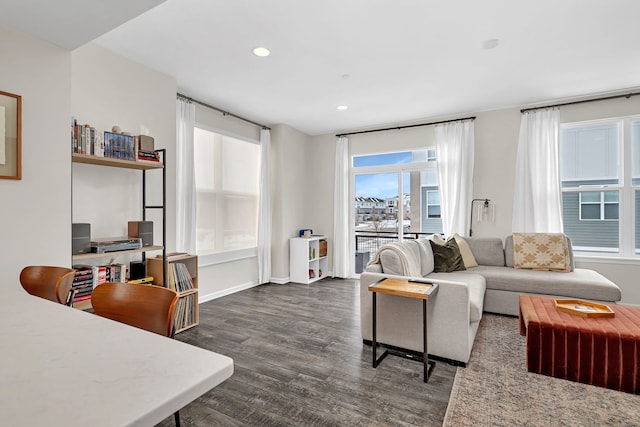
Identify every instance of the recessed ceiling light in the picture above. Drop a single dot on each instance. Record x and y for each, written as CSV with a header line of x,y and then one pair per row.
x,y
490,44
342,107
261,51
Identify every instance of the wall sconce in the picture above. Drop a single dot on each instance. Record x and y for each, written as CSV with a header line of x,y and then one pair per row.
x,y
484,212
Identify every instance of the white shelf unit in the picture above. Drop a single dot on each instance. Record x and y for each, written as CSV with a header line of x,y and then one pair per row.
x,y
308,259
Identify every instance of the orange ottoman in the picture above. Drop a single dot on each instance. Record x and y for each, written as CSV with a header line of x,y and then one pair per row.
x,y
604,352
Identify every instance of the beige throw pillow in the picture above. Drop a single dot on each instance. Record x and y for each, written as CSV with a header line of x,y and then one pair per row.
x,y
465,250
541,251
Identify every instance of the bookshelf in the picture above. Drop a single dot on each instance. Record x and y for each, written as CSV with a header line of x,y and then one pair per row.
x,y
308,261
186,314
142,166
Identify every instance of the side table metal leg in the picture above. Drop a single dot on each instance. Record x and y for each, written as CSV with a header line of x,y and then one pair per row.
x,y
425,354
374,344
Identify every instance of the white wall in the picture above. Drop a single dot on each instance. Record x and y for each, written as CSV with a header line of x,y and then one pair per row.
x,y
36,211
291,177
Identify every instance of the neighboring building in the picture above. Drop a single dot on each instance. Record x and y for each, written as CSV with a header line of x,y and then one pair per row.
x,y
366,207
431,221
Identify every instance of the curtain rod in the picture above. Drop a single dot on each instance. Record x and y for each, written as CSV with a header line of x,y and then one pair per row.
x,y
604,98
407,126
224,113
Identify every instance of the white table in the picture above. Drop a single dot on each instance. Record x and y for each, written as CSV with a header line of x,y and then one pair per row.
x,y
64,367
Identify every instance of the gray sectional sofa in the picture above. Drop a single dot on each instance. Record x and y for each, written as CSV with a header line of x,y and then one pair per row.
x,y
456,310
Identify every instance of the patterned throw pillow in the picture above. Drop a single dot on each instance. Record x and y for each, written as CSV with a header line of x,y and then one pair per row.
x,y
446,257
541,251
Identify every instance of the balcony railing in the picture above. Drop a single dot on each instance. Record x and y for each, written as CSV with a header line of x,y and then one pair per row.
x,y
370,241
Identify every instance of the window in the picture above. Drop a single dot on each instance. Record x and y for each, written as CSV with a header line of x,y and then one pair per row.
x,y
407,185
599,206
600,173
433,204
226,176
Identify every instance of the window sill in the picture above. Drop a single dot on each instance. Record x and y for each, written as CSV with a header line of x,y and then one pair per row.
x,y
604,258
224,257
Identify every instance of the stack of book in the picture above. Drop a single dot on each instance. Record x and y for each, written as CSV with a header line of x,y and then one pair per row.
x,y
184,313
179,278
83,139
148,156
82,283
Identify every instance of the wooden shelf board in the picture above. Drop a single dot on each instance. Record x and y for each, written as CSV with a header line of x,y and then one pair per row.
x,y
115,253
107,161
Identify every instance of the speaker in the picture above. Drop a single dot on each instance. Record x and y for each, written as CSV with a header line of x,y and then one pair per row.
x,y
137,270
143,230
80,238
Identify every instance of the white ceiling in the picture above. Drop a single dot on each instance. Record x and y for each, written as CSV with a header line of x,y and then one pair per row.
x,y
407,60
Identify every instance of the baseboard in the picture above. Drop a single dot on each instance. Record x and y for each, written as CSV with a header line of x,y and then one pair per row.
x,y
225,292
279,280
628,304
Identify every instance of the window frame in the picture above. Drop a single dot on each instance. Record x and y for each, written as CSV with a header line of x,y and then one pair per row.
x,y
626,191
428,205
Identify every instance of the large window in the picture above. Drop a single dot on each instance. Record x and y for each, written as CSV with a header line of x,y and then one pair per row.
x,y
227,182
405,184
600,172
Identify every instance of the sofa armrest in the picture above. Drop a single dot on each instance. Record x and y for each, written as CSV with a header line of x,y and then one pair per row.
x,y
449,306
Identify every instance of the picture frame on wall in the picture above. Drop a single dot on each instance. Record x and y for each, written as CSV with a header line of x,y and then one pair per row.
x,y
10,136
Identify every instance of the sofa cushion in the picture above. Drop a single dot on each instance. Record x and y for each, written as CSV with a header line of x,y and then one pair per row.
x,y
447,257
475,285
487,250
580,283
465,251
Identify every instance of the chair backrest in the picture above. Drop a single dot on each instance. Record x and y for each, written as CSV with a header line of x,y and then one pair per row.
x,y
146,307
52,283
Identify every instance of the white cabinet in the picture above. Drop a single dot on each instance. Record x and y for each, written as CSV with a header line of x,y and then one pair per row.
x,y
308,260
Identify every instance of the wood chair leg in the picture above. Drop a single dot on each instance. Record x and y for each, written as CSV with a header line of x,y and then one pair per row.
x,y
176,416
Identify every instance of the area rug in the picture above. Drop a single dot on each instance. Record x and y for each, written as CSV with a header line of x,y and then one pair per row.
x,y
495,389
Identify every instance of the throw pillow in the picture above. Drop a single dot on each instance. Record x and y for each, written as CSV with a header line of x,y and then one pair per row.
x,y
465,251
541,251
447,257
437,239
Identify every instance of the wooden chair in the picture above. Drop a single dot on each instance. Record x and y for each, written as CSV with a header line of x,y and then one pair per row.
x,y
52,283
146,307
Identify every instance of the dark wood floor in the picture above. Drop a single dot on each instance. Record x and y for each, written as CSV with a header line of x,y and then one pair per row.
x,y
299,360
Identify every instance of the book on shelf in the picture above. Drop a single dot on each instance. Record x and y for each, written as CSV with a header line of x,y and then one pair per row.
x,y
119,146
179,278
146,155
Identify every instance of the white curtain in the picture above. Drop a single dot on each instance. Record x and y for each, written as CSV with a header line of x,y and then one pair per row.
x,y
341,263
455,150
264,209
537,195
185,177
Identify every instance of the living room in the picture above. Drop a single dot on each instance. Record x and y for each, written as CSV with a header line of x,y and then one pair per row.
x,y
103,88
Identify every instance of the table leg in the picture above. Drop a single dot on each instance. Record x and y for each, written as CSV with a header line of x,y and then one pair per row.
x,y
427,365
374,343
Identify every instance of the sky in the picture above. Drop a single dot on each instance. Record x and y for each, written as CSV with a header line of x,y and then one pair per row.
x,y
382,185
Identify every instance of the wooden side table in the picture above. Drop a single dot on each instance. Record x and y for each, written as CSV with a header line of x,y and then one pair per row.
x,y
409,289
